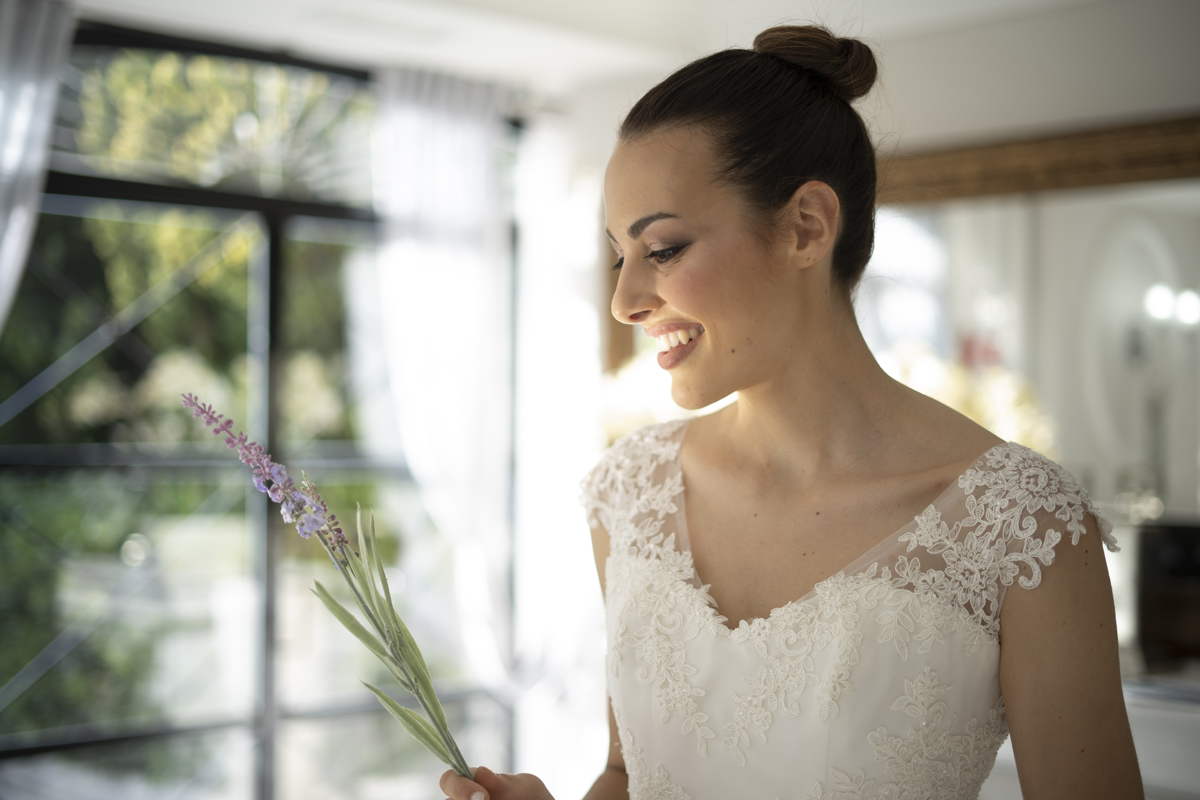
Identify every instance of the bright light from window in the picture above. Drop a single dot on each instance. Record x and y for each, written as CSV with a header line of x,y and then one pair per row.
x,y
1187,307
1160,301
907,250
908,312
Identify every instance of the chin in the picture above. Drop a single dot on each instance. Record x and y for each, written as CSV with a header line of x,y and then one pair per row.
x,y
692,398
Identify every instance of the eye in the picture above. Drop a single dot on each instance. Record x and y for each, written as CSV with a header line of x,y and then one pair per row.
x,y
620,263
665,254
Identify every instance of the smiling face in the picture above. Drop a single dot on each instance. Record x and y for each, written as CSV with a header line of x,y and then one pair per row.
x,y
695,265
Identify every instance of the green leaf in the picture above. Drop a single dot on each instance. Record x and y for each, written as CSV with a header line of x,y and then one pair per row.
x,y
365,577
416,661
378,560
387,612
350,623
415,724
366,592
424,687
399,676
375,567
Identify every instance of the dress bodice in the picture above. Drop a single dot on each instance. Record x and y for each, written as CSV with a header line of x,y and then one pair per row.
x,y
881,682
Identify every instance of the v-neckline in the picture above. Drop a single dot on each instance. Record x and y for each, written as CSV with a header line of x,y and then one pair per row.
x,y
684,543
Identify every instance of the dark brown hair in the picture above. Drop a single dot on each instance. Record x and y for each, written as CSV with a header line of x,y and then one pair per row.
x,y
779,116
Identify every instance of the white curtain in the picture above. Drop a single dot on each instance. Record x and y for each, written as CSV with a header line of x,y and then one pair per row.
x,y
445,287
34,40
559,613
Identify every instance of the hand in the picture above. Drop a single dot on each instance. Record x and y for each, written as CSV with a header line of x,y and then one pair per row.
x,y
489,785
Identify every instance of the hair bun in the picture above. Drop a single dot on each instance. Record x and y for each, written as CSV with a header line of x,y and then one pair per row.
x,y
847,64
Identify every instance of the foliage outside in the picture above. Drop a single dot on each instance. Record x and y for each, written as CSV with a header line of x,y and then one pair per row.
x,y
231,124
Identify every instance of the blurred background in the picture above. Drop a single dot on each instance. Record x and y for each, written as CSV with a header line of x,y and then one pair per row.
x,y
370,231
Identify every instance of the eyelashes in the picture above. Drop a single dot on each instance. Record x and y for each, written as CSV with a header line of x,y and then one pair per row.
x,y
661,256
665,255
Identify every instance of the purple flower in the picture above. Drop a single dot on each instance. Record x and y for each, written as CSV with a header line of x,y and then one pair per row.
x,y
311,523
305,508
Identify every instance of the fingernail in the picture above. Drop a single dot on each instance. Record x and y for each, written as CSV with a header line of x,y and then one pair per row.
x,y
478,796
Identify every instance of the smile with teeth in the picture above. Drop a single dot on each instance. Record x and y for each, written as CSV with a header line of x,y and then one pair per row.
x,y
677,338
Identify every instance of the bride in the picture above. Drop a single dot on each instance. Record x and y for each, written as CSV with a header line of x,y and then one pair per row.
x,y
834,587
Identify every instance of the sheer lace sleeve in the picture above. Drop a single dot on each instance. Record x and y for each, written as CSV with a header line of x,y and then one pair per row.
x,y
1029,503
593,490
626,479
1023,505
1015,507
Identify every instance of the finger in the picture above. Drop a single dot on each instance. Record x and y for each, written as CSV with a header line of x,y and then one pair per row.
x,y
489,780
503,787
459,788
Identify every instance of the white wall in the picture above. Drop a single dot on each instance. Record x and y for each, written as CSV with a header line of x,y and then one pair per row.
x,y
1044,70
1063,69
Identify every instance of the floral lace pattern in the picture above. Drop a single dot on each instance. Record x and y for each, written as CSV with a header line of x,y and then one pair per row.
x,y
787,641
645,782
931,761
1024,495
938,583
656,588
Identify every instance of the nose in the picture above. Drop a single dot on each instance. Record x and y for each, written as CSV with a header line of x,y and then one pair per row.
x,y
635,298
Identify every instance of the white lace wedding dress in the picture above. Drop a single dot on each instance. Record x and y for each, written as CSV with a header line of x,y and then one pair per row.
x,y
881,682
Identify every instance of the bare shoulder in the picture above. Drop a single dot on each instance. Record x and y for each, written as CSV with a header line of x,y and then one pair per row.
x,y
948,435
1061,681
933,444
1069,601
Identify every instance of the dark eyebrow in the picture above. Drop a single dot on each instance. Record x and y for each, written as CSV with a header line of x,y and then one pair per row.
x,y
635,230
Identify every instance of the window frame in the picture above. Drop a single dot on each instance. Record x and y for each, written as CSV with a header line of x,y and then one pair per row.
x,y
275,214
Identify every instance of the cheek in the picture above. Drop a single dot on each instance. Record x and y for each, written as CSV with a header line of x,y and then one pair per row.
x,y
716,292
692,291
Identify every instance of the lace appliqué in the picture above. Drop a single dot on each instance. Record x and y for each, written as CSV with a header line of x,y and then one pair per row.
x,y
622,485
829,619
646,573
645,783
1018,506
924,619
930,762
1023,494
923,605
654,583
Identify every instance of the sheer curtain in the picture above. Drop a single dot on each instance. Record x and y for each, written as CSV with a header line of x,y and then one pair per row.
x,y
445,287
34,41
559,614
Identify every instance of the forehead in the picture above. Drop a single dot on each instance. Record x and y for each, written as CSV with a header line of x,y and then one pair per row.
x,y
667,171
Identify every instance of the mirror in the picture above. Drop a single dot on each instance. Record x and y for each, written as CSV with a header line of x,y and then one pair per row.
x,y
1067,317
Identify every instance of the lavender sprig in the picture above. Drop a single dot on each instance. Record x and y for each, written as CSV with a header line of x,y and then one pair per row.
x,y
304,508
363,572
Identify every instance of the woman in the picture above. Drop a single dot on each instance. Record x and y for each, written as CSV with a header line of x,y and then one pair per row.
x,y
767,636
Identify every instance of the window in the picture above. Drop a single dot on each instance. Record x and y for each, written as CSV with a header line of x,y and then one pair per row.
x,y
206,227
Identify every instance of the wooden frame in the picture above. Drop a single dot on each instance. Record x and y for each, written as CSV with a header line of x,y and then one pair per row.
x,y
1153,151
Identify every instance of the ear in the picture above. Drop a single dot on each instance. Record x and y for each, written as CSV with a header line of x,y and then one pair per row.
x,y
814,211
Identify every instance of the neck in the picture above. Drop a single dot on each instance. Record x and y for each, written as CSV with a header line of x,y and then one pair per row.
x,y
826,411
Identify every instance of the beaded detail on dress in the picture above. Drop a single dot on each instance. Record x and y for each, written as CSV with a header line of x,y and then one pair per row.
x,y
881,682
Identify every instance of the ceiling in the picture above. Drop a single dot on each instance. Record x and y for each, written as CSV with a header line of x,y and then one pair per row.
x,y
548,46
953,72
